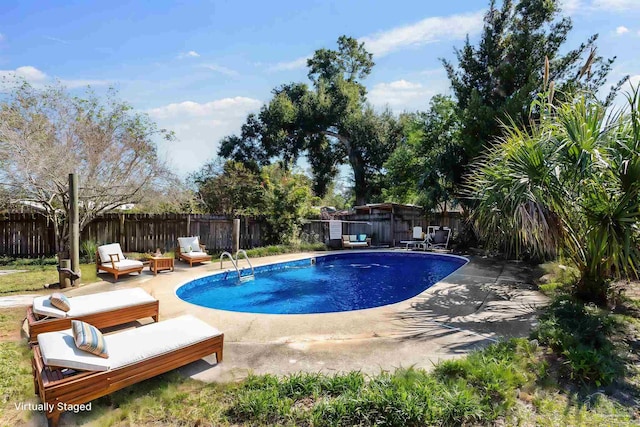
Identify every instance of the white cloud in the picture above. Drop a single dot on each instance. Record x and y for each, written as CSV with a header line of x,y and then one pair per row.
x,y
570,6
199,128
2,38
55,39
621,30
402,95
617,5
190,54
220,69
289,65
428,30
38,78
27,72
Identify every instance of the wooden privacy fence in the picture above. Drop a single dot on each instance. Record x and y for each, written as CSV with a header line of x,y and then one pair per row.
x,y
30,235
26,235
383,228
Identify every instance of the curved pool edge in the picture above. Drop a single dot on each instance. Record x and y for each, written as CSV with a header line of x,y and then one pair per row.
x,y
310,256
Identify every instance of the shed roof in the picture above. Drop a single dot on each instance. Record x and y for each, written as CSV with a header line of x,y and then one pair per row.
x,y
391,207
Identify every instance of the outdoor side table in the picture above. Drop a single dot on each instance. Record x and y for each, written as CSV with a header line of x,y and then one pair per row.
x,y
160,263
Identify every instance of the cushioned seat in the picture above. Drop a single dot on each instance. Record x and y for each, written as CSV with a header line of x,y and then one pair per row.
x,y
126,347
190,250
63,376
126,264
102,310
355,241
94,303
110,258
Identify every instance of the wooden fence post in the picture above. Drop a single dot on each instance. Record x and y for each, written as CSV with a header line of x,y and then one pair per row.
x,y
121,235
236,235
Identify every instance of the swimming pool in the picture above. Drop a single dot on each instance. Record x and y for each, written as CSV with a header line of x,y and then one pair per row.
x,y
330,283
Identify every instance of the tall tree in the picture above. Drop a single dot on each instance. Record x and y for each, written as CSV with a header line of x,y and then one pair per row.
x,y
500,76
329,122
229,188
423,167
47,134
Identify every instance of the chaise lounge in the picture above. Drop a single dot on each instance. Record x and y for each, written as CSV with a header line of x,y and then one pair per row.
x,y
190,250
102,310
111,259
64,375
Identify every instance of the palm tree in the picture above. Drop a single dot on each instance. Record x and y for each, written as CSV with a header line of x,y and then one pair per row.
x,y
566,185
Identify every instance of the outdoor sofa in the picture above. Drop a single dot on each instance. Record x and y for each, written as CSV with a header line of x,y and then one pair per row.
x,y
110,258
64,375
190,250
102,310
355,241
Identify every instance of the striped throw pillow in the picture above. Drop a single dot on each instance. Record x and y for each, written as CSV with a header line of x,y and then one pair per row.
x,y
88,338
60,302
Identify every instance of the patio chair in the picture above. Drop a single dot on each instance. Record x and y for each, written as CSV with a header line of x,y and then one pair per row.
x,y
419,238
111,259
355,241
190,250
440,239
64,375
102,310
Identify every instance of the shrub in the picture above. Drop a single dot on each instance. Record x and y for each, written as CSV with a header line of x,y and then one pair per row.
x,y
88,250
579,334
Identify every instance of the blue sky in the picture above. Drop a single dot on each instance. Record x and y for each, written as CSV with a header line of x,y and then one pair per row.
x,y
198,68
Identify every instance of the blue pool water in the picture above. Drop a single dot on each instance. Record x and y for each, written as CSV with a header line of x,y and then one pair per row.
x,y
337,282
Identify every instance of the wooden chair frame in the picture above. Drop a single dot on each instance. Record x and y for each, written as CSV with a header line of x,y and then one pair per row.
x,y
113,270
39,324
191,260
57,387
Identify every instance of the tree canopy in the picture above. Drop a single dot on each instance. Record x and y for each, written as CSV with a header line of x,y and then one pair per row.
x,y
328,121
423,167
45,134
501,76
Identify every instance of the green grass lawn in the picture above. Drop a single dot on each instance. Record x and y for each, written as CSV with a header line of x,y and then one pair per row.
x,y
36,276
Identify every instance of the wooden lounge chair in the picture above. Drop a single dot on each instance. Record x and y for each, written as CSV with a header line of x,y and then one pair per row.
x,y
190,250
63,375
111,259
102,310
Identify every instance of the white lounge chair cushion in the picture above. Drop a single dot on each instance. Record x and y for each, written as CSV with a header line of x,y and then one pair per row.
x,y
189,244
59,349
94,303
358,244
142,343
194,254
43,307
126,347
124,264
111,249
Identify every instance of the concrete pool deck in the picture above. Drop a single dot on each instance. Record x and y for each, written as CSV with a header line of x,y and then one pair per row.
x,y
482,302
